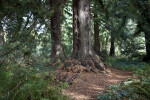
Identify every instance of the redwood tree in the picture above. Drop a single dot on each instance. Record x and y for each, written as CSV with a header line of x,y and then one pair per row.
x,y
57,50
96,35
82,42
114,33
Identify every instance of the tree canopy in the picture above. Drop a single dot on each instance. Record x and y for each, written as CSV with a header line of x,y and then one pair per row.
x,y
37,36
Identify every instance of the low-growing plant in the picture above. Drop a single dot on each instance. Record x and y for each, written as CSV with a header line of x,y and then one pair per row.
x,y
19,82
127,64
130,89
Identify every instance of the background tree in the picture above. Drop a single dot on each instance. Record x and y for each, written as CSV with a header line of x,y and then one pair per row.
x,y
96,35
57,50
140,11
1,34
96,30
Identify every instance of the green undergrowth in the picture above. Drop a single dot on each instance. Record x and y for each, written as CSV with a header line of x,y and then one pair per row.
x,y
137,66
28,81
130,89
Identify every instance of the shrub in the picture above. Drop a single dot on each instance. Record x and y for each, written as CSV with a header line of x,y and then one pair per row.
x,y
19,82
127,64
130,89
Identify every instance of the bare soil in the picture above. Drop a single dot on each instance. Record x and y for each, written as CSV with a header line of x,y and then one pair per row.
x,y
88,85
87,79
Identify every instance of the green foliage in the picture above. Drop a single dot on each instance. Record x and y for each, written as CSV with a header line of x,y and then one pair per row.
x,y
128,64
67,30
130,89
133,47
18,82
27,31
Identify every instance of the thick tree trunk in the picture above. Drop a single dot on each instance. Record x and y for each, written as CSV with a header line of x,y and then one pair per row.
x,y
86,60
82,29
82,42
57,50
112,48
96,35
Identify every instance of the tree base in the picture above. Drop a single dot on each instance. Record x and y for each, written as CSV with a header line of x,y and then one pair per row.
x,y
146,58
75,67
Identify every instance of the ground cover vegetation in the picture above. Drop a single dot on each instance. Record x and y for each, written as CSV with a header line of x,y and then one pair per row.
x,y
47,46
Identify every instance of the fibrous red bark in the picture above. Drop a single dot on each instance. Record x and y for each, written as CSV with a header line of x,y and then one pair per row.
x,y
85,58
82,42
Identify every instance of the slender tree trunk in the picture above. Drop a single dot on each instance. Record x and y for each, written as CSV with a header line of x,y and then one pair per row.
x,y
96,35
1,38
82,42
147,39
57,50
1,34
147,42
112,48
106,43
147,35
76,34
1,28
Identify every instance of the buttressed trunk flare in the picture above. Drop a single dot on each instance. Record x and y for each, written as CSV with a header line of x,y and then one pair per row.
x,y
85,58
82,37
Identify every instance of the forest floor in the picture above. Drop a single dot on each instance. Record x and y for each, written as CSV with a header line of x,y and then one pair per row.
x,y
88,85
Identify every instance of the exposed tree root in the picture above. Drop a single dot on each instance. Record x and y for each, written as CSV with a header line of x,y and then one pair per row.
x,y
72,78
69,67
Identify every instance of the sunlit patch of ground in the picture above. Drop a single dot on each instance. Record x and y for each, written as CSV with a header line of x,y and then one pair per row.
x,y
87,85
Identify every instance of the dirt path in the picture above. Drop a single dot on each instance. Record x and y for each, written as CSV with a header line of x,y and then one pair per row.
x,y
87,85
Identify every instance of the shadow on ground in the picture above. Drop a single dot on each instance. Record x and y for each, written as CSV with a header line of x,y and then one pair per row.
x,y
88,85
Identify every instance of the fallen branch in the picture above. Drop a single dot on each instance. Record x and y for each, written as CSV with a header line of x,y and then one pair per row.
x,y
72,78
